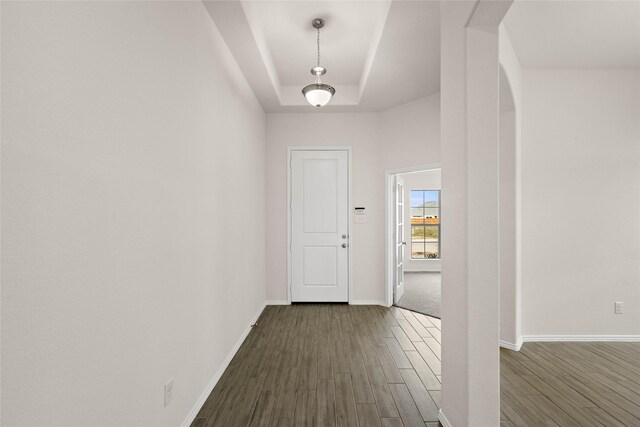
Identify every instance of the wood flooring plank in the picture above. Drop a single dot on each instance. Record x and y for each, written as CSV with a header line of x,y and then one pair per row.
x,y
517,384
397,353
402,337
361,388
346,413
515,413
324,361
558,415
528,410
309,368
262,413
226,407
419,327
388,365
388,316
508,361
425,404
428,378
603,418
284,406
391,422
277,422
615,386
368,351
429,357
275,373
434,345
613,407
325,403
630,385
382,393
425,320
436,396
549,367
435,332
552,387
570,401
408,411
368,415
406,313
305,412
246,402
339,356
382,328
395,311
409,330
436,322
564,364
595,364
618,364
629,361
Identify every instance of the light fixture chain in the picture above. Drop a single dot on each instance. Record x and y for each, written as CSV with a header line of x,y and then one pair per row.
x,y
318,43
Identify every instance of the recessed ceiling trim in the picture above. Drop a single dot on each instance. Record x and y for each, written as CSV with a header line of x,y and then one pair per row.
x,y
373,48
231,21
261,42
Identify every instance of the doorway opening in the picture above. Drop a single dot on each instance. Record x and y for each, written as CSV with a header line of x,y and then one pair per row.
x,y
413,223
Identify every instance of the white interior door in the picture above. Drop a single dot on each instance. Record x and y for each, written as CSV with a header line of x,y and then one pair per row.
x,y
319,226
399,240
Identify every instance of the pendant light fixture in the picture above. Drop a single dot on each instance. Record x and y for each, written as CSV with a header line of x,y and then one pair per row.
x,y
318,94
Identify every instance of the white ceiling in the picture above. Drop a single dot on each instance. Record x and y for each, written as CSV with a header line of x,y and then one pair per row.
x,y
383,53
575,34
378,54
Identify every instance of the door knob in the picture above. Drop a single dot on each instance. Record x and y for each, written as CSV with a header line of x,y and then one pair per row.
x,y
344,245
344,236
404,243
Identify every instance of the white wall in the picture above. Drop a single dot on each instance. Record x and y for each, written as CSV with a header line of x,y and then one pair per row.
x,y
427,180
405,136
510,193
133,164
409,135
580,202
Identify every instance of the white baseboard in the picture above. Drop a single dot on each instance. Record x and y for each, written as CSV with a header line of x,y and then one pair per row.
x,y
581,338
207,391
368,302
511,346
443,419
355,302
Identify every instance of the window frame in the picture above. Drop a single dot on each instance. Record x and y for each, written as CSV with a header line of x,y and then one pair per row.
x,y
439,225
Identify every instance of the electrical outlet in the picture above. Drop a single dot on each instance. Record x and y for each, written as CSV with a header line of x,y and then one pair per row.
x,y
168,392
619,308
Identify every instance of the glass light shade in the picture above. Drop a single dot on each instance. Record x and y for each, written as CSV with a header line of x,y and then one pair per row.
x,y
318,94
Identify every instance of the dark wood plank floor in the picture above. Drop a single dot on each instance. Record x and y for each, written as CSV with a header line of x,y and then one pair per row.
x,y
340,365
571,384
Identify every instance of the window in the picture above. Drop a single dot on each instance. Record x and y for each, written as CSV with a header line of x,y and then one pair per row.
x,y
425,224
